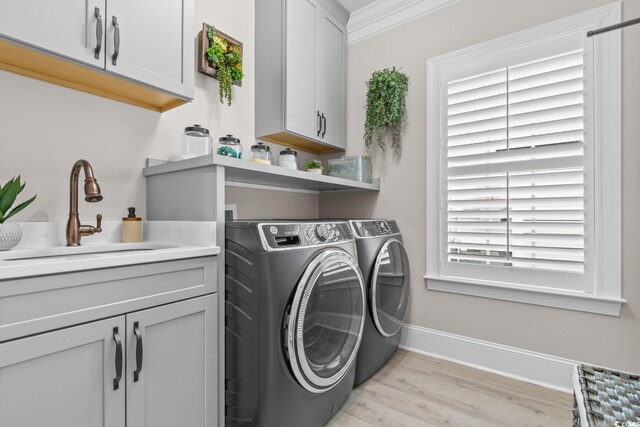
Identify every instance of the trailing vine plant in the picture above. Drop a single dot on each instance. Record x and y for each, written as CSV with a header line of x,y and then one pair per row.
x,y
386,107
227,59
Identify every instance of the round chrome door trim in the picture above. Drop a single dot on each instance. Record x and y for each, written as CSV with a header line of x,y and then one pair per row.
x,y
374,285
295,345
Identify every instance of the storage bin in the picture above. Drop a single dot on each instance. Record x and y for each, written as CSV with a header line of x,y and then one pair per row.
x,y
355,168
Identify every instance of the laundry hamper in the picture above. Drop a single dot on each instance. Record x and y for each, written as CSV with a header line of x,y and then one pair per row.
x,y
602,397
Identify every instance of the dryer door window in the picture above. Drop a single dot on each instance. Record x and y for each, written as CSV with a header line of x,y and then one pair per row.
x,y
390,286
325,323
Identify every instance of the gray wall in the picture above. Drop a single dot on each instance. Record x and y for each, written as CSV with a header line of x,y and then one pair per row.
x,y
588,337
45,128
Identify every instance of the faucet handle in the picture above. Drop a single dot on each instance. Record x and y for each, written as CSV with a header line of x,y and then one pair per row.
x,y
99,223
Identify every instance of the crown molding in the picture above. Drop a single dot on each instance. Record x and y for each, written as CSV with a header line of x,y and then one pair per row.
x,y
384,15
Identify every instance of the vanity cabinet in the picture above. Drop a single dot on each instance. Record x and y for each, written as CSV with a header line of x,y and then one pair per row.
x,y
162,359
130,51
130,345
300,89
63,378
176,383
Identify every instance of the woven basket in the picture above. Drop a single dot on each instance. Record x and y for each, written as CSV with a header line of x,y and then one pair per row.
x,y
603,397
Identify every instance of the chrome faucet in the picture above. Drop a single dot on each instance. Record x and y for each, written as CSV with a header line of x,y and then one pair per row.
x,y
75,230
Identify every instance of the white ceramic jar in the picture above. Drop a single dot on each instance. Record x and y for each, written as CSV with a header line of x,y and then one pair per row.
x,y
288,159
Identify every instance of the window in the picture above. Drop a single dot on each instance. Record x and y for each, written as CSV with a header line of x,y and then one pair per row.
x,y
523,139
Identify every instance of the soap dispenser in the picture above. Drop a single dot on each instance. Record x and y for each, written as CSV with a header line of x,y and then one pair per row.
x,y
132,227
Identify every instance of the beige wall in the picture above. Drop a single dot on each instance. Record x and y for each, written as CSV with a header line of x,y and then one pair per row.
x,y
45,128
269,204
612,341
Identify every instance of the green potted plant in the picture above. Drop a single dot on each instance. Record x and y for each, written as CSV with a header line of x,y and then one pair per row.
x,y
10,233
386,107
313,166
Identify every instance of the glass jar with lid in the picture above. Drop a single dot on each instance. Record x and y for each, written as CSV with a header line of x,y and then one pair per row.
x,y
196,141
229,146
288,159
260,153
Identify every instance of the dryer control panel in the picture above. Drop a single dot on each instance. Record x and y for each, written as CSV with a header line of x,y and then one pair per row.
x,y
298,235
373,228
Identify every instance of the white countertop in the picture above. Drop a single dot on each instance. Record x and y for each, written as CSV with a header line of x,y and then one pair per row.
x,y
43,251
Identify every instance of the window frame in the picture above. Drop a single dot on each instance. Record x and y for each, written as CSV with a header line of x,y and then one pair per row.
x,y
604,173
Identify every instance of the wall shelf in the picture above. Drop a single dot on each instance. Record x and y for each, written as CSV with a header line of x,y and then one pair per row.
x,y
246,172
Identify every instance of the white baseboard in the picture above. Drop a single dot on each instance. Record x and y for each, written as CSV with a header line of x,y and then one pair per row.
x,y
537,368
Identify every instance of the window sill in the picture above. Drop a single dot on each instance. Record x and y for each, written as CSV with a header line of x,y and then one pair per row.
x,y
538,296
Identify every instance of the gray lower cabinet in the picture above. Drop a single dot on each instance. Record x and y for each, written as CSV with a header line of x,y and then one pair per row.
x,y
64,378
172,365
156,367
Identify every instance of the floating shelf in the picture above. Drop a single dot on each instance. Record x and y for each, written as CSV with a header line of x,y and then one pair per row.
x,y
246,172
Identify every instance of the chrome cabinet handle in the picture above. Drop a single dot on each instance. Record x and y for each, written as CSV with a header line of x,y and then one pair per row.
x,y
324,125
319,123
116,41
136,331
118,341
98,48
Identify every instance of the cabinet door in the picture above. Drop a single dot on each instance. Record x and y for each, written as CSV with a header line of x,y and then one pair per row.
x,y
331,83
172,365
152,43
65,27
302,112
64,378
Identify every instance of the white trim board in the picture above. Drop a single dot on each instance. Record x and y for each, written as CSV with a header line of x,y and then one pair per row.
x,y
384,15
541,369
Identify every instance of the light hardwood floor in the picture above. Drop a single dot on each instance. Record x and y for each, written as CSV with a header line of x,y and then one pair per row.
x,y
415,390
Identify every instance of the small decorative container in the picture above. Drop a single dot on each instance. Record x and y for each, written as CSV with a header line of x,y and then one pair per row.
x,y
10,235
288,159
132,227
355,168
260,153
229,146
196,142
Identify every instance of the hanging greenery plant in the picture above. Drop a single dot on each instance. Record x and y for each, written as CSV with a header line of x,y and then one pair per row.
x,y
227,59
386,107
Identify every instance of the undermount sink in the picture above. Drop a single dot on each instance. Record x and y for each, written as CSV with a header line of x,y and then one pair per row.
x,y
89,251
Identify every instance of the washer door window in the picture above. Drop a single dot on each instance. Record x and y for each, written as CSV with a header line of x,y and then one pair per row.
x,y
326,320
390,285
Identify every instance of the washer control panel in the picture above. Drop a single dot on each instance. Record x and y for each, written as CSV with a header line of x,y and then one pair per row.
x,y
373,228
298,235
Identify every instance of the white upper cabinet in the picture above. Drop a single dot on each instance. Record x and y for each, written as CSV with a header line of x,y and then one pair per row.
x,y
302,116
300,58
70,28
139,51
331,77
152,43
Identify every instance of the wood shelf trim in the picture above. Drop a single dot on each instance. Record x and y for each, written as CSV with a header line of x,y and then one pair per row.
x,y
49,68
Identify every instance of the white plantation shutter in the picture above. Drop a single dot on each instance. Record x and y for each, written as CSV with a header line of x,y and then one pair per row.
x,y
515,153
523,166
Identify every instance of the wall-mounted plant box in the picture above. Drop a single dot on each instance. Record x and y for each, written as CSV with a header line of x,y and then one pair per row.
x,y
205,66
